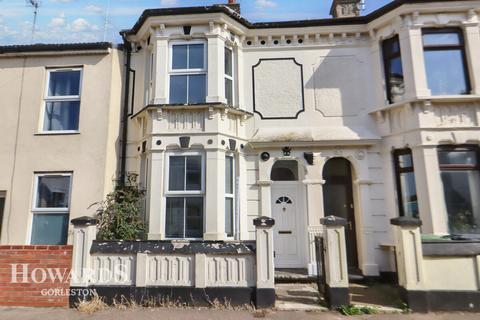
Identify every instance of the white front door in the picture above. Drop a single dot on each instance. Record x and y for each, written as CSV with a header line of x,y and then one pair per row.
x,y
287,206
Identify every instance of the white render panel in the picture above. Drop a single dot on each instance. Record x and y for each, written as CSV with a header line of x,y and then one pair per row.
x,y
170,270
278,88
113,269
230,271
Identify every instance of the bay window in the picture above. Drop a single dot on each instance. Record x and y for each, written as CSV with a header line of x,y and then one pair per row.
x,y
185,196
229,76
62,100
188,74
392,62
405,178
51,205
460,173
229,195
445,61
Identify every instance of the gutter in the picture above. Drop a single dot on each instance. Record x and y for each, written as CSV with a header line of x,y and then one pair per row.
x,y
126,97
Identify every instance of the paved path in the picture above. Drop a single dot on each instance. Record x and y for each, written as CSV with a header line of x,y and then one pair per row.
x,y
203,314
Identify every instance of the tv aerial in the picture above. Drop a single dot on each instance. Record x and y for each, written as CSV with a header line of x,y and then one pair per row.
x,y
35,4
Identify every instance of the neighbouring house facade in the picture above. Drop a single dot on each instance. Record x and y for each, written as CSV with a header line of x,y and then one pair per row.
x,y
363,117
60,131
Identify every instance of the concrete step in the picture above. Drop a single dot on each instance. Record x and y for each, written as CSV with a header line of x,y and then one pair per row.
x,y
298,297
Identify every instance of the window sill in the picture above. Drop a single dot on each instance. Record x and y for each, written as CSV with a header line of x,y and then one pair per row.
x,y
57,133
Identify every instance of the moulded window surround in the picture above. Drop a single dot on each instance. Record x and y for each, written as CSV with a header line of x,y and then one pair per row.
x,y
184,195
50,208
405,179
446,64
187,81
460,174
61,107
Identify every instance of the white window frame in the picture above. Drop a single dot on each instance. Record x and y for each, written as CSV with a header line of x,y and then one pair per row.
x,y
183,194
232,195
48,98
45,211
186,72
232,77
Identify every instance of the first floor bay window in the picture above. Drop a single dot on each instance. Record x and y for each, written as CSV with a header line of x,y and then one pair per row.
x,y
51,206
460,172
184,196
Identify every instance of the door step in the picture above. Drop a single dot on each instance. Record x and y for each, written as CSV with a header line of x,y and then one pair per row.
x,y
298,297
293,276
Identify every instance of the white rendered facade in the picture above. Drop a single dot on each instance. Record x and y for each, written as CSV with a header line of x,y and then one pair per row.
x,y
297,91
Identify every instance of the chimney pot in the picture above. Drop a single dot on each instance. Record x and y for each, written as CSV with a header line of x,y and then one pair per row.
x,y
346,8
232,1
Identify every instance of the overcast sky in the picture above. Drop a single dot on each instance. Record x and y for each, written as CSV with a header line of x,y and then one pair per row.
x,y
84,20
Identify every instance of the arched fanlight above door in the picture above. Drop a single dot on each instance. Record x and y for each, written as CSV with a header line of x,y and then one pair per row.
x,y
285,170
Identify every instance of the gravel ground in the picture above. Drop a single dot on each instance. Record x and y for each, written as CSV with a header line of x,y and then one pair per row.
x,y
200,314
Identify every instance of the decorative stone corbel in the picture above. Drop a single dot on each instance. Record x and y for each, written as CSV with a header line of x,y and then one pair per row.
x,y
243,119
159,114
427,107
224,114
211,112
211,25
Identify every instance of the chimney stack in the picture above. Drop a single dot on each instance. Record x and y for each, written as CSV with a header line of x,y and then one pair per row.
x,y
345,8
232,4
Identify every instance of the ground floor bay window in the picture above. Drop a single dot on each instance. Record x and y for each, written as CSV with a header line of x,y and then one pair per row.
x,y
460,172
184,208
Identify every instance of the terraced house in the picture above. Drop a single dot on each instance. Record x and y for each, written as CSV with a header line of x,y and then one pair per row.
x,y
368,118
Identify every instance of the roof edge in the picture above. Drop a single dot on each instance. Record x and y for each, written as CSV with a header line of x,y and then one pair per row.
x,y
45,47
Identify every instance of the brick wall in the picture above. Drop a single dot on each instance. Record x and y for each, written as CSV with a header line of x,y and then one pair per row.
x,y
31,276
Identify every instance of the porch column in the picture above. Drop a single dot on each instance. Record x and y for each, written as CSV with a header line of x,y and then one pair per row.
x,y
265,197
215,195
472,37
364,227
428,182
314,214
160,67
156,225
411,47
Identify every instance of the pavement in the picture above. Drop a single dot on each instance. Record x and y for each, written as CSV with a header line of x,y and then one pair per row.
x,y
207,314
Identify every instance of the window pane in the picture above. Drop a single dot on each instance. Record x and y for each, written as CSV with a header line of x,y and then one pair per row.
x,y
196,88
458,157
176,175
50,229
409,194
405,161
285,170
447,38
194,173
228,62
178,89
194,223
64,83
395,78
229,175
462,198
445,72
61,115
196,56
175,217
391,47
229,91
179,57
53,192
229,216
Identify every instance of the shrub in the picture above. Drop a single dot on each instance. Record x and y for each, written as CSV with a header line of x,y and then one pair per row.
x,y
120,214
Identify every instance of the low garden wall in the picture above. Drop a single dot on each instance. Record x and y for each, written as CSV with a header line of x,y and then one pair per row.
x,y
187,272
35,276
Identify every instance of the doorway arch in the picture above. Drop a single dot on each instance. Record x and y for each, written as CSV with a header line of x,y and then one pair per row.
x,y
339,201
